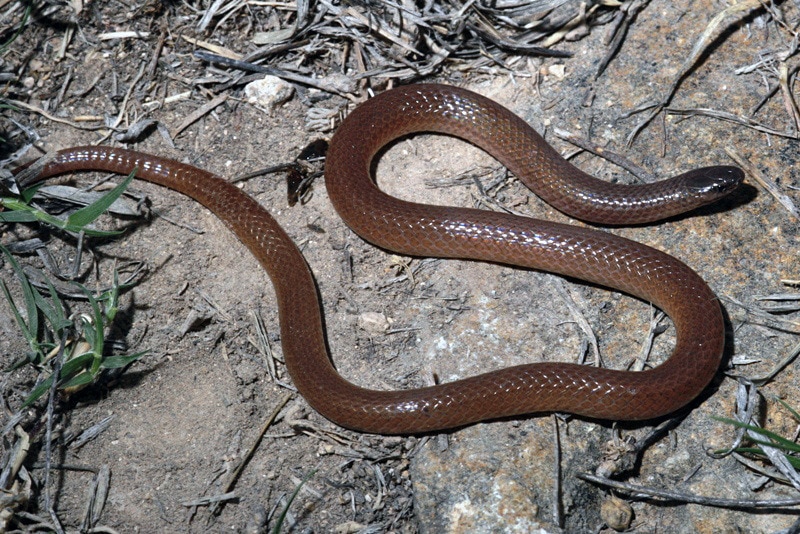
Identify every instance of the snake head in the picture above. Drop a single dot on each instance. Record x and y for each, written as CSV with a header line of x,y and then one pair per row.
x,y
712,183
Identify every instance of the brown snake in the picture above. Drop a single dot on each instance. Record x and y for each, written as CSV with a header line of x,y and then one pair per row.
x,y
422,230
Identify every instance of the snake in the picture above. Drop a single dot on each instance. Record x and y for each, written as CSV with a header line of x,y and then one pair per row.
x,y
581,252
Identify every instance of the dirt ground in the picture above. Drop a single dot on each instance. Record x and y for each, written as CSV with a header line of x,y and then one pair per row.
x,y
185,415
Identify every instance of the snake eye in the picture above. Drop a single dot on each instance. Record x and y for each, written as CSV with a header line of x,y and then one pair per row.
x,y
714,182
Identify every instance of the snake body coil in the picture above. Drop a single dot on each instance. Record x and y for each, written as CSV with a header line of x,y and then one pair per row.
x,y
421,230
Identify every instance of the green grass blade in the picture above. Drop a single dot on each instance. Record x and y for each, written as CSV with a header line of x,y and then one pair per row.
x,y
81,379
29,193
30,329
282,517
53,309
70,369
86,215
93,330
76,364
793,447
18,31
117,362
791,410
794,460
16,216
37,392
778,441
17,316
36,350
19,211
